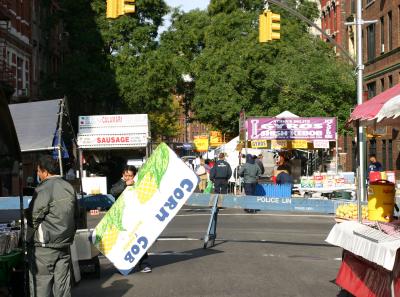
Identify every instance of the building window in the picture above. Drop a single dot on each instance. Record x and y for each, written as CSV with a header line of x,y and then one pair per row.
x,y
371,89
371,42
390,81
372,147
353,6
390,31
384,160
382,35
390,153
382,84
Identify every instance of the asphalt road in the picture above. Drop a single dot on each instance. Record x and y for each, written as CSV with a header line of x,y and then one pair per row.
x,y
266,254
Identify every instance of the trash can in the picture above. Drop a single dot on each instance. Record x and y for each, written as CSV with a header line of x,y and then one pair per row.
x,y
381,196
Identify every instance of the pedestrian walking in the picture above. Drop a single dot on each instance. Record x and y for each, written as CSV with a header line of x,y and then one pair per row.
x,y
51,218
127,179
220,174
201,172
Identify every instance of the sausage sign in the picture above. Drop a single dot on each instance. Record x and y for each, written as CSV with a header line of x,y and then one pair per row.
x,y
143,211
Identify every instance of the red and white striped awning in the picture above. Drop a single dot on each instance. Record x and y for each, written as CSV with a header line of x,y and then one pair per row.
x,y
386,105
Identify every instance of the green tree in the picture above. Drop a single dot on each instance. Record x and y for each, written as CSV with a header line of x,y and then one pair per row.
x,y
232,70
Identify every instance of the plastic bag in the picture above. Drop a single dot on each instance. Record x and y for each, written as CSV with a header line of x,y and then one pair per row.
x,y
209,188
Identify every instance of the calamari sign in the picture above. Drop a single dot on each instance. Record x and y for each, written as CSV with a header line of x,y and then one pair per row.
x,y
291,128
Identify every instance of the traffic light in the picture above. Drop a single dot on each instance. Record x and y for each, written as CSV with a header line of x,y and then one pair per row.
x,y
269,26
127,6
116,8
112,9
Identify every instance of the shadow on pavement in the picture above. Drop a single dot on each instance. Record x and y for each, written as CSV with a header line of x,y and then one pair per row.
x,y
222,241
89,287
159,260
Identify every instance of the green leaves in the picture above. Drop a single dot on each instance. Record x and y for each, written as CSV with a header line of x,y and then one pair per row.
x,y
122,66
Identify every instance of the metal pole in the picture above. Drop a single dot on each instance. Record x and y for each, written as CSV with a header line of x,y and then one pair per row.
x,y
245,134
60,122
361,129
336,150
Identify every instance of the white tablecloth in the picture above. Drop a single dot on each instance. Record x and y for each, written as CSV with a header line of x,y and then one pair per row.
x,y
381,253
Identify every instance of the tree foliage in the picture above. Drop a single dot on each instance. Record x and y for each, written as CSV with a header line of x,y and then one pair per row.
x,y
233,71
122,65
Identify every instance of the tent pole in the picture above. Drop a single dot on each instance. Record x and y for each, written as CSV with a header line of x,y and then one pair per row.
x,y
60,122
336,150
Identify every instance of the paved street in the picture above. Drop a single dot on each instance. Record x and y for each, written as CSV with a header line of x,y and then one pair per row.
x,y
267,254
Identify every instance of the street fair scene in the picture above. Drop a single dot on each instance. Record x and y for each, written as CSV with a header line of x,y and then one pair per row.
x,y
296,169
204,148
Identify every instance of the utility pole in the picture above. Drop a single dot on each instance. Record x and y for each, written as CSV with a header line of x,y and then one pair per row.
x,y
361,133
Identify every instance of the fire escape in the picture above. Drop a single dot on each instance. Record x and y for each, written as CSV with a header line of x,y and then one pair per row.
x,y
7,76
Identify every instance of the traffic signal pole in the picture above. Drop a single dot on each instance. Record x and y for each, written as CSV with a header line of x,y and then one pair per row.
x,y
361,133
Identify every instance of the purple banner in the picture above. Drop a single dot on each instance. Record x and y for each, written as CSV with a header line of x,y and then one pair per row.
x,y
291,128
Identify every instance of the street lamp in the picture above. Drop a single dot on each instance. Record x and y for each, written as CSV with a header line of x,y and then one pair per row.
x,y
187,79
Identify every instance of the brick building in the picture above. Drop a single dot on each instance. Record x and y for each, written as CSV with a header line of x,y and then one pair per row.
x,y
381,56
334,14
15,45
27,52
188,129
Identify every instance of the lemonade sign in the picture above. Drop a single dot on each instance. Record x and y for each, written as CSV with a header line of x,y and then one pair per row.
x,y
142,211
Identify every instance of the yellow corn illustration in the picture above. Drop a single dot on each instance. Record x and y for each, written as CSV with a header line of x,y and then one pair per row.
x,y
108,240
146,189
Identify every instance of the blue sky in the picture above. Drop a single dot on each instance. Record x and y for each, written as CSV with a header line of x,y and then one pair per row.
x,y
187,5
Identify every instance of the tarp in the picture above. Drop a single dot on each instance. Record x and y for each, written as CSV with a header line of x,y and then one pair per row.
x,y
384,105
35,123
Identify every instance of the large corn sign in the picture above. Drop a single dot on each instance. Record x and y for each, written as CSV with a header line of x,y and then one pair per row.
x,y
142,211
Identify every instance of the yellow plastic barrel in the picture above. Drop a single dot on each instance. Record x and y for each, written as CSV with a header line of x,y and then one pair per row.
x,y
381,196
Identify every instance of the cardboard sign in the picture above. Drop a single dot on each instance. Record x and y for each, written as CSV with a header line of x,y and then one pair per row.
x,y
323,144
201,143
299,144
142,212
278,144
259,143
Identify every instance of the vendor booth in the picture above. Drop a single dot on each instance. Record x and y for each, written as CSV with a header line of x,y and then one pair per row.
x,y
370,265
309,138
100,137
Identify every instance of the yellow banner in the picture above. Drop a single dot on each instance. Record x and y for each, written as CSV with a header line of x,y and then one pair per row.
x,y
259,143
278,144
200,143
299,144
215,138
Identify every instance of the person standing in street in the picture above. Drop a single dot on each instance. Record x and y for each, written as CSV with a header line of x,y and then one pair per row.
x,y
128,173
201,172
283,176
127,179
374,165
51,218
260,164
250,173
220,174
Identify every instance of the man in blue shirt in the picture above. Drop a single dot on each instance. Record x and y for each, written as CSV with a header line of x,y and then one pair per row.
x,y
374,165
